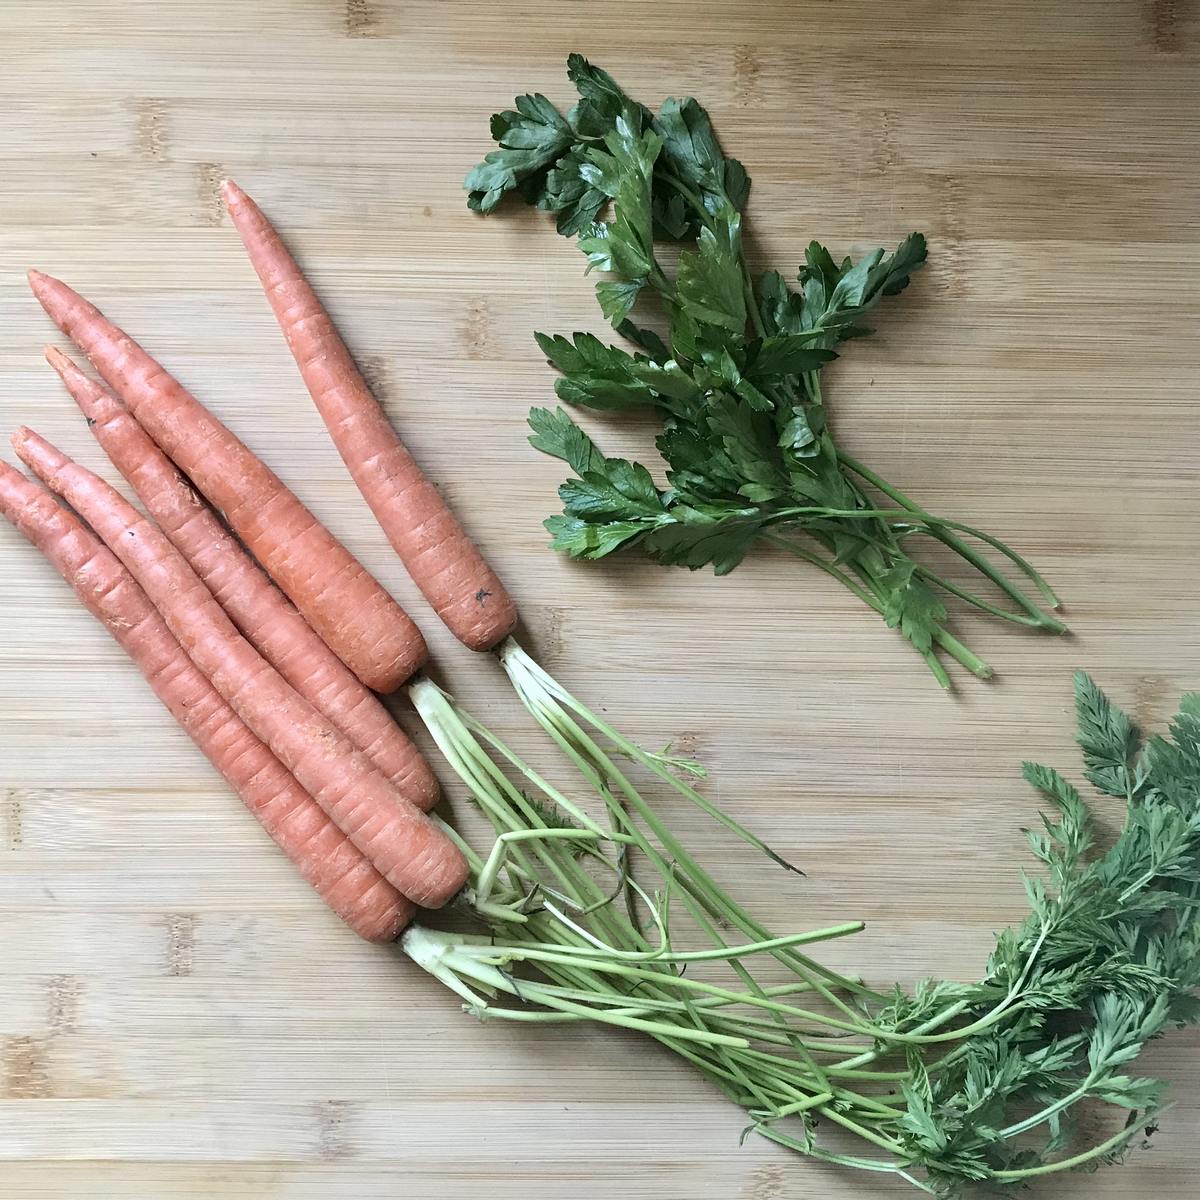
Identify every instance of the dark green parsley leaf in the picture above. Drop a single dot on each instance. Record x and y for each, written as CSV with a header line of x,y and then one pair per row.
x,y
692,154
708,308
623,246
620,490
582,539
797,435
571,195
617,297
601,376
671,220
595,375
910,606
531,138
780,307
603,101
646,339
835,296
749,438
697,539
708,289
786,354
555,433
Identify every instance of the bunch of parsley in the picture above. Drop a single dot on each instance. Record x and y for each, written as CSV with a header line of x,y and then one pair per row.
x,y
748,449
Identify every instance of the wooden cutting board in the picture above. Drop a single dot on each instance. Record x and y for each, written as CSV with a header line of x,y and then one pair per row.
x,y
178,1016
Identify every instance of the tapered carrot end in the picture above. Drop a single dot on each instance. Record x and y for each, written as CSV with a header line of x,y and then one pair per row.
x,y
95,402
59,361
42,458
232,194
21,438
52,294
246,216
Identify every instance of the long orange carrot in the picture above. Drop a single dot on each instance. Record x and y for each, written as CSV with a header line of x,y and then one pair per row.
x,y
266,617
407,848
442,560
339,872
359,621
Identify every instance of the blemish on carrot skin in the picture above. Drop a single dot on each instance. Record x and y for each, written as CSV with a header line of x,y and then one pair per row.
x,y
482,595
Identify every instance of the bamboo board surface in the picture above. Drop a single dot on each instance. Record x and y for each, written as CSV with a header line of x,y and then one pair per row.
x,y
179,1017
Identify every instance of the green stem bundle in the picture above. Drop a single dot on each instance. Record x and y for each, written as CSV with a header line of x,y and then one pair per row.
x,y
593,910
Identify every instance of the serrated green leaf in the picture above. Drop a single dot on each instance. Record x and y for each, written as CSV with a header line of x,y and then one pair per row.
x,y
646,339
693,540
708,288
556,434
1107,736
786,354
531,138
583,539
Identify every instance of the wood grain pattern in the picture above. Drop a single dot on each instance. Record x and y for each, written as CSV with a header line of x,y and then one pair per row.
x,y
178,1017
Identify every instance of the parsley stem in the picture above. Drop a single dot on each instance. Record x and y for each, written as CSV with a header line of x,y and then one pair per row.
x,y
946,640
978,601
828,568
943,531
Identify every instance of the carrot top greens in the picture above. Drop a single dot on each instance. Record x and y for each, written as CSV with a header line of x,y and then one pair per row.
x,y
737,381
595,911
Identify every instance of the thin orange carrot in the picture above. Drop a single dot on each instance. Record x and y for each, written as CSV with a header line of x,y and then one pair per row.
x,y
407,848
359,621
338,871
442,560
266,617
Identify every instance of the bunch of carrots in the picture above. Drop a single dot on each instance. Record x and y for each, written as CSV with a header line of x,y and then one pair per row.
x,y
259,631
268,641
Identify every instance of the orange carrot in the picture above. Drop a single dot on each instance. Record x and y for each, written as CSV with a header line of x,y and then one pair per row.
x,y
442,560
263,614
406,847
338,871
359,621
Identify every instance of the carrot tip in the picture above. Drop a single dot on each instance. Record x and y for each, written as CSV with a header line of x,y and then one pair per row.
x,y
230,192
41,284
